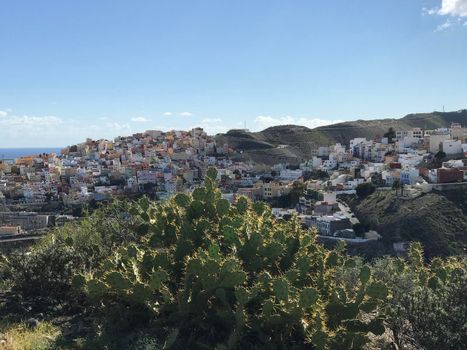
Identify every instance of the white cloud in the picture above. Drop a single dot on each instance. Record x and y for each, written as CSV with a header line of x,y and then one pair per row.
x,y
427,11
119,127
456,8
140,120
215,129
31,121
167,114
46,131
185,114
3,114
211,120
212,126
444,26
263,122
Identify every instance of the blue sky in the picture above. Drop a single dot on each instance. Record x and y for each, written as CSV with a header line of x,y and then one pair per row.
x,y
75,69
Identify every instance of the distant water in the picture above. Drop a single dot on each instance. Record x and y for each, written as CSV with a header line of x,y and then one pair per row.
x,y
13,153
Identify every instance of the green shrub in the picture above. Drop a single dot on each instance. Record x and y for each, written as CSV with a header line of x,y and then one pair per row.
x,y
78,247
427,308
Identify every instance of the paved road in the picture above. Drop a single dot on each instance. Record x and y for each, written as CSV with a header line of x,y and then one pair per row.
x,y
344,208
18,239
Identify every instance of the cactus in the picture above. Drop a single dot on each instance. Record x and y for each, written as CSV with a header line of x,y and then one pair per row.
x,y
272,250
242,205
95,289
332,259
365,274
78,282
377,290
117,281
242,295
233,279
222,207
225,274
280,288
308,298
182,200
268,308
319,339
158,278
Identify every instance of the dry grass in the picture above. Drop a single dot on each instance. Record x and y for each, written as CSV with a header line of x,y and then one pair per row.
x,y
21,337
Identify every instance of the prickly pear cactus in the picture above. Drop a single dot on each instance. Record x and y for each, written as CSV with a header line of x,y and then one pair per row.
x,y
213,274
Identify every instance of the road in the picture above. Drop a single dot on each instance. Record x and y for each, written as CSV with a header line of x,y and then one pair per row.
x,y
344,208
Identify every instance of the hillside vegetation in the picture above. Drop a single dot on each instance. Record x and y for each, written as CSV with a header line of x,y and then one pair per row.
x,y
261,147
434,219
198,272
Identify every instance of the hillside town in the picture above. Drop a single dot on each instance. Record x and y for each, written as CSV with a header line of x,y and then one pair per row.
x,y
36,191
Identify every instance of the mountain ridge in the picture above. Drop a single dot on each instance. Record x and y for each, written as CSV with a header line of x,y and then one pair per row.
x,y
262,147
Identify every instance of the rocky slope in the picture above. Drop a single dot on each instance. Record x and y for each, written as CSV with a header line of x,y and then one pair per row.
x,y
436,219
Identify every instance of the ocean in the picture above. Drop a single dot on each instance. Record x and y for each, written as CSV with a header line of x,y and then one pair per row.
x,y
13,153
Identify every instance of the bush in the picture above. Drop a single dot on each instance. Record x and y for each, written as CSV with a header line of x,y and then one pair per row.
x,y
20,336
208,274
427,309
78,247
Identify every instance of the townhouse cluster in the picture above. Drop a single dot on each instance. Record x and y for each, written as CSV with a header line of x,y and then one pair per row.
x,y
412,162
163,163
153,161
409,157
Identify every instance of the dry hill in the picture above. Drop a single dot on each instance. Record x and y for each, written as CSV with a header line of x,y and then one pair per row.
x,y
267,146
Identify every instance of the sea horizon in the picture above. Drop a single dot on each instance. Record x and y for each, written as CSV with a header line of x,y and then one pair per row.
x,y
16,152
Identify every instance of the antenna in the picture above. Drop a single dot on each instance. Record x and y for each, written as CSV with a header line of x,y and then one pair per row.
x,y
244,124
443,108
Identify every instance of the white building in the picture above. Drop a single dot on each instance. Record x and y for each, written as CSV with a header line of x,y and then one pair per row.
x,y
435,141
290,175
323,151
390,176
329,164
279,213
410,159
329,197
451,147
409,176
317,162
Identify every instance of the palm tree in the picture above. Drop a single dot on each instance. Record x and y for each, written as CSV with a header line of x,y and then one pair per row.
x,y
396,185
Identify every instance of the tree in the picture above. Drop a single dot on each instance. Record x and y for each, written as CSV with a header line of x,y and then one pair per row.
x,y
360,229
440,155
438,160
296,192
390,134
365,189
319,175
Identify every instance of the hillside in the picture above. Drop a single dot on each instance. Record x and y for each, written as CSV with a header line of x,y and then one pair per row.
x,y
434,219
261,147
343,132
